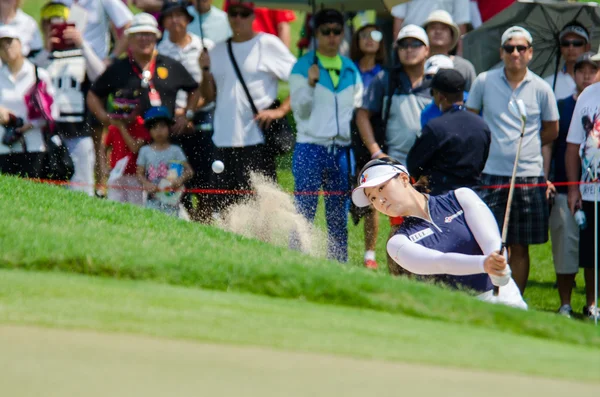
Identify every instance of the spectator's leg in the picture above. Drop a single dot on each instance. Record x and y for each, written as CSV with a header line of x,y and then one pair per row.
x,y
84,159
96,131
588,275
233,176
308,174
565,247
519,263
371,230
336,205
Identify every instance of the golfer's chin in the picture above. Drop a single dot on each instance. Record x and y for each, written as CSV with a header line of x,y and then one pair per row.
x,y
390,211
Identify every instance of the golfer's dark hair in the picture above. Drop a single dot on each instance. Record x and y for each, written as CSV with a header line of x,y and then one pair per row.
x,y
356,53
422,185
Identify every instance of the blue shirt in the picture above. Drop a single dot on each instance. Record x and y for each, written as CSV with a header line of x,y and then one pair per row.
x,y
447,232
368,75
566,107
432,111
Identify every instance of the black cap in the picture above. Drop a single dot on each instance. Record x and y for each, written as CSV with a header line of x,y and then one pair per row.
x,y
328,15
586,57
175,5
449,81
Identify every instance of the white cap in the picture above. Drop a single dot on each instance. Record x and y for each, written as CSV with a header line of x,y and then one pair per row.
x,y
437,62
374,176
444,17
8,31
415,32
514,32
143,23
578,30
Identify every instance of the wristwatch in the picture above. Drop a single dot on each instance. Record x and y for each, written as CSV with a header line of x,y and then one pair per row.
x,y
189,114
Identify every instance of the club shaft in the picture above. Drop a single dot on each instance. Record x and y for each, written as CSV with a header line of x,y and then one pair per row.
x,y
511,192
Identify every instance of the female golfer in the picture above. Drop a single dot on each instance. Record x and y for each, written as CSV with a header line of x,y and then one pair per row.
x,y
452,237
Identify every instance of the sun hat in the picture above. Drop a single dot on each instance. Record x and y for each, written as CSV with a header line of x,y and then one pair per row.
x,y
415,32
143,23
515,32
437,62
374,173
444,17
175,5
156,114
8,32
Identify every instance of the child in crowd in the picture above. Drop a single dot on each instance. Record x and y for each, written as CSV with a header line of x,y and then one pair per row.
x,y
124,142
162,168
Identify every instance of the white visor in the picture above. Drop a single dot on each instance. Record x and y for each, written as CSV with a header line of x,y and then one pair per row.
x,y
374,176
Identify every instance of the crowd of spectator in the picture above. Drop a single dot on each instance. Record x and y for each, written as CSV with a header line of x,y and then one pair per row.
x,y
146,103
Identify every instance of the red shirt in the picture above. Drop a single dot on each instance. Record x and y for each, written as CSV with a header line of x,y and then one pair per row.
x,y
489,8
119,147
266,19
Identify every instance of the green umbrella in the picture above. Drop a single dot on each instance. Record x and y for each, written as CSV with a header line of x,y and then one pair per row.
x,y
342,5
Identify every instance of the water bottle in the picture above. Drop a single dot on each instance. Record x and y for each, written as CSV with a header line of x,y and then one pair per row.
x,y
580,219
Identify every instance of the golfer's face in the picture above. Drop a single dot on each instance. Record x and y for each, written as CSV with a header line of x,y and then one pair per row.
x,y
389,197
519,57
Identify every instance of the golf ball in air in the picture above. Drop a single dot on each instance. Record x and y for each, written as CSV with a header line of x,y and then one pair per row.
x,y
218,166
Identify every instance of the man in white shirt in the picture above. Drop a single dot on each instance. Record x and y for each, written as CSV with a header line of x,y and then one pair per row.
x,y
238,134
574,41
416,12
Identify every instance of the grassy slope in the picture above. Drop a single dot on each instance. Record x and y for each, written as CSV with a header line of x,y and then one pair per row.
x,y
53,229
68,301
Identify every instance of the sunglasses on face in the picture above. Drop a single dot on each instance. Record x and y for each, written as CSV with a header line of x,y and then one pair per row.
x,y
574,43
403,45
509,49
328,31
375,35
239,13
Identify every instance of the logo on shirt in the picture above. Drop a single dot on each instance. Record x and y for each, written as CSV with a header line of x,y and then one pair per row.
x,y
420,235
162,72
450,218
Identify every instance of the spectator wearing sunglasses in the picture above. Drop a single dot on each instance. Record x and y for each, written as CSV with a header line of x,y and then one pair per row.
x,y
324,95
574,41
393,103
493,91
368,52
263,61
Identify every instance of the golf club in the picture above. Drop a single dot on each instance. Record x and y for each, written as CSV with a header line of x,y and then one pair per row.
x,y
517,107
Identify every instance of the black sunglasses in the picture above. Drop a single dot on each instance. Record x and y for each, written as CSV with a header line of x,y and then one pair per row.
x,y
574,43
240,13
509,49
403,45
328,31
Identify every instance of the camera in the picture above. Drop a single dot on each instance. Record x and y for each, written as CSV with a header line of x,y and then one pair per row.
x,y
11,135
58,30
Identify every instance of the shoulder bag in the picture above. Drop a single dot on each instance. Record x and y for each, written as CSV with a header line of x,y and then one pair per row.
x,y
279,136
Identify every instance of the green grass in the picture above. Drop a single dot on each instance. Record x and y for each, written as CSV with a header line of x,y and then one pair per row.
x,y
50,228
76,302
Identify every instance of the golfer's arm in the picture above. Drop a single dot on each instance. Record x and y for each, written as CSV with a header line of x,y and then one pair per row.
x,y
480,220
549,131
421,260
573,164
365,129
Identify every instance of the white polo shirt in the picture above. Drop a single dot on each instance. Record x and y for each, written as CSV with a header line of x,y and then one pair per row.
x,y
29,32
100,13
12,92
188,56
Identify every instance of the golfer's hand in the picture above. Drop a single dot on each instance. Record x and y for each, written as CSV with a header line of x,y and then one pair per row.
x,y
264,118
550,190
313,75
495,264
574,199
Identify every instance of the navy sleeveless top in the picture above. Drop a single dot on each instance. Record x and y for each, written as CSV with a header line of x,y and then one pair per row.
x,y
448,232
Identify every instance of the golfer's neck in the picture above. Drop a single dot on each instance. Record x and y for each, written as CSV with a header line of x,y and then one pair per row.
x,y
420,207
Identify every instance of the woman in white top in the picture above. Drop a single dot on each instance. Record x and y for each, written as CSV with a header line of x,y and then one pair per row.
x,y
29,33
17,77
